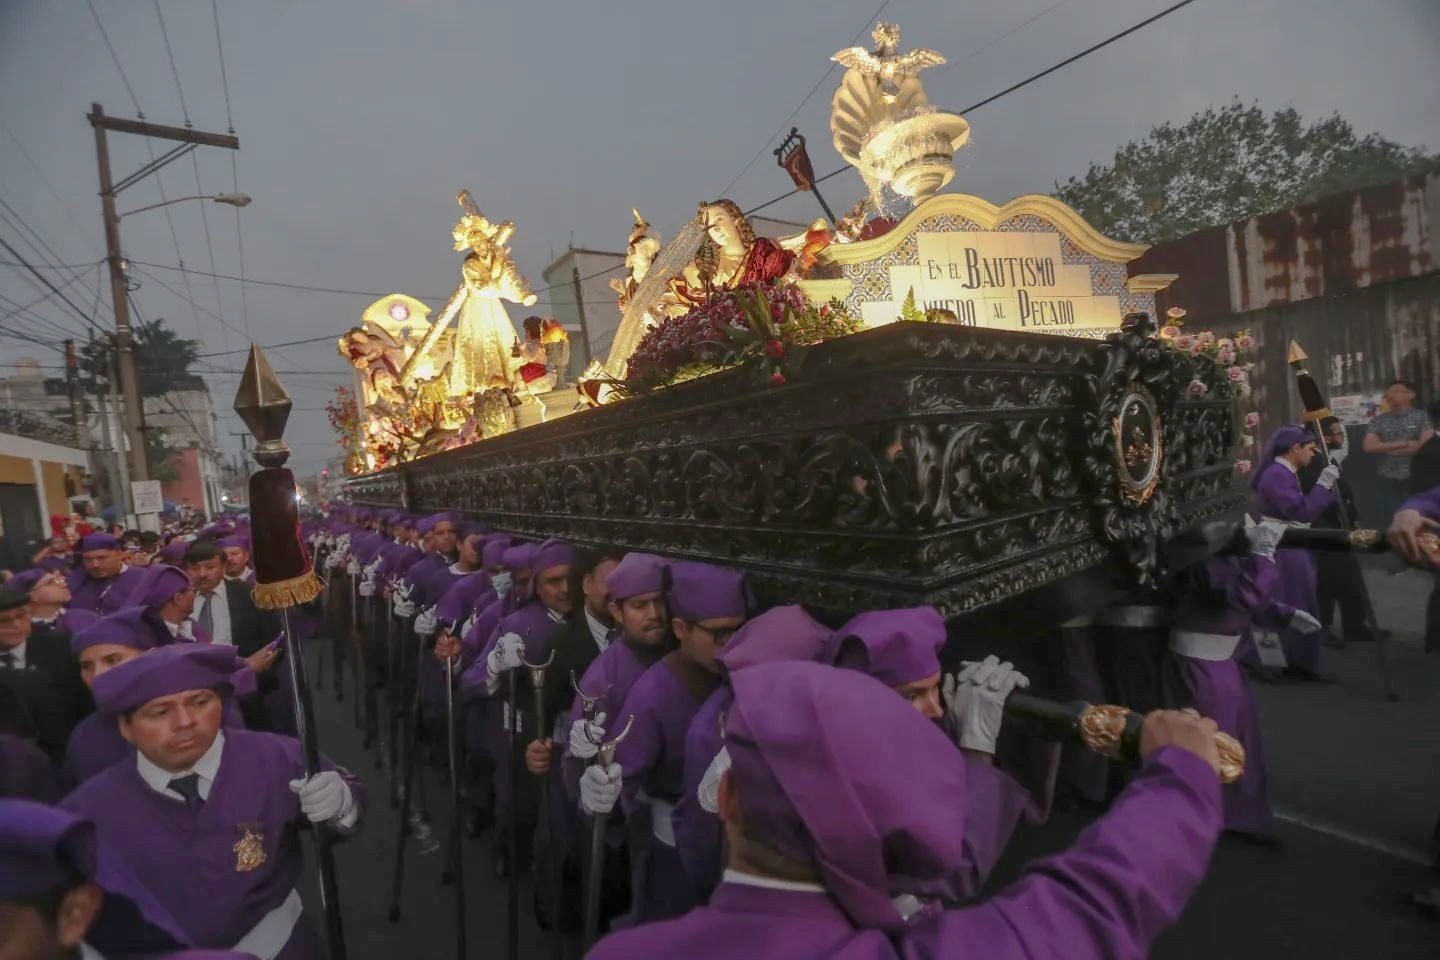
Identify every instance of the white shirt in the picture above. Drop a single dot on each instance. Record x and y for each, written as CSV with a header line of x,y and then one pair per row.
x,y
242,576
598,630
17,655
219,616
207,768
184,630
769,883
1287,465
88,952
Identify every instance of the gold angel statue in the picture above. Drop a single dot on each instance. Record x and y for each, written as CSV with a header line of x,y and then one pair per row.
x,y
483,334
887,64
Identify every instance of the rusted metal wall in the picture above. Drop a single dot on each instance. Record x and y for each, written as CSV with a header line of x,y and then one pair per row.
x,y
1354,279
1336,246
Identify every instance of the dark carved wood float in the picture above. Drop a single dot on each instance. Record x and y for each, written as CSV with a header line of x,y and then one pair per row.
x,y
985,472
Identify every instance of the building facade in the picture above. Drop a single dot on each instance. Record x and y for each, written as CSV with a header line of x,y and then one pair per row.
x,y
41,469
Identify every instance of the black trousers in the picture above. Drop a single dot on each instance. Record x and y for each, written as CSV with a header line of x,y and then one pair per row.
x,y
1339,582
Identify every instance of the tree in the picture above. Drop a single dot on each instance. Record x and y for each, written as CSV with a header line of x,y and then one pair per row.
x,y
161,357
1230,163
161,456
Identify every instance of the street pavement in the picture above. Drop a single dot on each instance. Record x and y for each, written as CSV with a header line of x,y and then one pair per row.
x,y
1355,781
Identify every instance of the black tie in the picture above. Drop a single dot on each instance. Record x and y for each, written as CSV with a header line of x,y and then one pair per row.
x,y
207,616
7,660
188,787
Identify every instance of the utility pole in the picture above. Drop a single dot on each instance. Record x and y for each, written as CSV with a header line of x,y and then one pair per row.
x,y
108,456
77,407
580,306
134,414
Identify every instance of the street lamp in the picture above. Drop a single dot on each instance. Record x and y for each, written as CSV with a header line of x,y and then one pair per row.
x,y
233,199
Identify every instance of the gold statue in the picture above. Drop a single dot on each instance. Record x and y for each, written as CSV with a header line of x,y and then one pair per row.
x,y
886,64
483,334
639,255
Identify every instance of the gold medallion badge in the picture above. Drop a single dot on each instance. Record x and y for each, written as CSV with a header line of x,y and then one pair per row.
x,y
249,849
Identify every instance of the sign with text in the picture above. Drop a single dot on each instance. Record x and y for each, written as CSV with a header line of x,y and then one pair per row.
x,y
1002,280
146,496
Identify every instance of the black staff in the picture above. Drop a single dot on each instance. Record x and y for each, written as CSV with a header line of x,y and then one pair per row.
x,y
537,684
1316,411
595,869
284,579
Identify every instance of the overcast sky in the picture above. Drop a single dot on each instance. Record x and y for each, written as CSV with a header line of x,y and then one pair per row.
x,y
359,119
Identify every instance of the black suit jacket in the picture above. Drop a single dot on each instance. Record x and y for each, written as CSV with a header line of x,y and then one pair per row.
x,y
250,627
49,690
575,649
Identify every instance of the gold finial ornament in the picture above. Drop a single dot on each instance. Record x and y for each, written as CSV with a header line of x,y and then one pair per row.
x,y
261,401
1296,355
1102,726
886,64
1361,537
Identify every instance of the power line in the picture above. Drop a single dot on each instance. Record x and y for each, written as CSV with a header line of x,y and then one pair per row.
x,y
25,308
829,70
234,165
46,281
174,71
121,70
64,208
43,247
271,346
1011,89
193,304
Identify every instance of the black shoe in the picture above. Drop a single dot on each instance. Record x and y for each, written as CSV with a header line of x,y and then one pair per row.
x,y
1308,676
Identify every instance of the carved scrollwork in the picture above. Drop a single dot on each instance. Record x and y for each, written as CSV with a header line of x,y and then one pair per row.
x,y
915,463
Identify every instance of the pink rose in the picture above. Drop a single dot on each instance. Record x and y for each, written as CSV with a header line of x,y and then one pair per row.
x,y
1247,441
1198,389
1225,343
1245,341
1224,355
1252,420
1206,338
1185,341
1243,466
1236,374
1169,332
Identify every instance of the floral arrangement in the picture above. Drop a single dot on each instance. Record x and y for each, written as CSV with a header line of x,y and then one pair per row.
x,y
1234,355
344,418
766,326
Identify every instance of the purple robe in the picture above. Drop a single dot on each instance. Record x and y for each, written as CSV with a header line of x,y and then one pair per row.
x,y
103,596
70,620
1221,597
1428,503
188,857
699,834
1278,496
458,602
1108,896
476,640
26,772
663,701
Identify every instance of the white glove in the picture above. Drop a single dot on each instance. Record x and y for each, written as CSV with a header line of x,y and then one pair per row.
x,y
353,567
975,699
508,654
1302,622
367,589
1264,536
600,788
324,797
1328,476
502,582
465,627
404,607
708,793
333,559
426,624
586,736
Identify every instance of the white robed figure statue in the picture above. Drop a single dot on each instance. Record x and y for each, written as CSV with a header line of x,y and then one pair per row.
x,y
484,335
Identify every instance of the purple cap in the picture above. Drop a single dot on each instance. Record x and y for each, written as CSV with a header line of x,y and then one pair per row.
x,y
493,553
25,580
174,551
234,541
125,628
217,530
160,583
781,633
43,849
472,528
553,553
425,525
834,769
895,647
162,672
521,556
700,591
97,541
636,573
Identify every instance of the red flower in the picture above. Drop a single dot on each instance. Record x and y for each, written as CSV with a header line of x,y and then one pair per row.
x,y
777,378
774,349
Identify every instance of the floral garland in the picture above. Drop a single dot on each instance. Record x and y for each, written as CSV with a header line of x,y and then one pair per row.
x,y
345,421
766,326
1235,354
